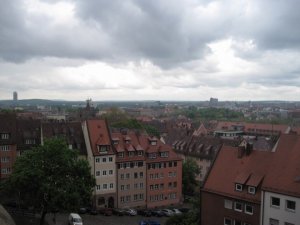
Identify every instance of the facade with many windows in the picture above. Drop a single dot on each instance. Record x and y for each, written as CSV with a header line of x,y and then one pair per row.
x,y
102,160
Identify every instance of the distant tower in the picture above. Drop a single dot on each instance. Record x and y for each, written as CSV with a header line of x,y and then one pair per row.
x,y
15,96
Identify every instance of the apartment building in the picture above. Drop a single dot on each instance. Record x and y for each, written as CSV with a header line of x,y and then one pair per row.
x,y
249,187
164,173
71,132
8,146
281,188
102,159
131,169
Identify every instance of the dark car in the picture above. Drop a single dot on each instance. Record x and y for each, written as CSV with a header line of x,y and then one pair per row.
x,y
184,210
105,211
144,212
118,212
157,212
149,222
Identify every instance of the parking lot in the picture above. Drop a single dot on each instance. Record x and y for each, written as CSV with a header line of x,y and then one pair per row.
x,y
62,219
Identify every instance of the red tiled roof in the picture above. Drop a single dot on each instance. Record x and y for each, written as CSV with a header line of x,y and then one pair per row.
x,y
254,180
286,167
228,169
99,135
275,171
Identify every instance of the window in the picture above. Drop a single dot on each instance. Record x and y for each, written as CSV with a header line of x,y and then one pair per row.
x,y
104,172
98,173
110,172
121,154
131,154
5,159
122,176
175,164
249,209
104,160
98,187
140,164
227,221
101,201
141,185
136,186
102,148
238,206
164,154
4,148
140,153
110,159
122,199
104,186
97,160
238,187
227,204
275,202
128,187
135,175
5,136
141,174
273,222
122,187
237,222
127,175
251,190
111,185
290,205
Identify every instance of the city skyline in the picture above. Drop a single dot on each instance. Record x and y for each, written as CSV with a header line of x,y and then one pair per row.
x,y
141,50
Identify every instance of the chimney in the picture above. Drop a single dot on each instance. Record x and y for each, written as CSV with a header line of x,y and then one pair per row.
x,y
240,152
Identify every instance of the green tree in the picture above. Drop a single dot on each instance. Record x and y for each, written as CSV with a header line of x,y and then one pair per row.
x,y
51,177
190,170
190,218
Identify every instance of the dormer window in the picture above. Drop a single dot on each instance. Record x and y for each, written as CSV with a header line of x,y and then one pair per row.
x,y
251,190
115,142
140,153
121,154
238,187
164,154
103,148
130,154
153,142
152,155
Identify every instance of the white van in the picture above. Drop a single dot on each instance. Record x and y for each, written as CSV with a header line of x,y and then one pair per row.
x,y
75,219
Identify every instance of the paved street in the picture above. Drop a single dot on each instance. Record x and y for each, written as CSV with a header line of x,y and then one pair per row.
x,y
62,219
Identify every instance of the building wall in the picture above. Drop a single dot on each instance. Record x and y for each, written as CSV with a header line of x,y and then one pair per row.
x,y
164,185
131,189
8,155
97,164
281,213
213,210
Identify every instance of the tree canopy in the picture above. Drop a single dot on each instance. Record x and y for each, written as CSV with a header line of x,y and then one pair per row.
x,y
190,170
51,177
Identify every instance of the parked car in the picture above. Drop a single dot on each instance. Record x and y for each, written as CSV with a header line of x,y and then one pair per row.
x,y
74,219
118,212
157,212
167,212
105,211
176,211
130,212
144,212
184,210
83,210
93,212
149,222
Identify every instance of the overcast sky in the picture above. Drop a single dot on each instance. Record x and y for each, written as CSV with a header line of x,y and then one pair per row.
x,y
150,49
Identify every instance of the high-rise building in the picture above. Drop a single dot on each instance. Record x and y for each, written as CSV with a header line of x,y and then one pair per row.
x,y
15,96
